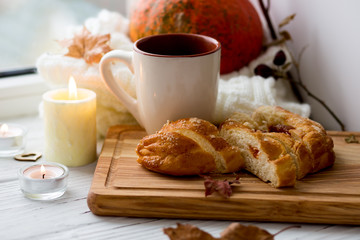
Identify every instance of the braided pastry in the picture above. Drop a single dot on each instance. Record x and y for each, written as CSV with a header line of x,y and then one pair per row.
x,y
188,147
279,146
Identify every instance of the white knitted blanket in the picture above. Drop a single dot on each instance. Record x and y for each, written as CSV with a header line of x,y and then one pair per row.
x,y
244,94
238,91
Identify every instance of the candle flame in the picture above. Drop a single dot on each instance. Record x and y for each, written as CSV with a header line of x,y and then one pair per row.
x,y
72,89
42,170
4,129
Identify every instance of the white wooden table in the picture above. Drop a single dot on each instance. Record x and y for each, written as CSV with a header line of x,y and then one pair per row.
x,y
69,217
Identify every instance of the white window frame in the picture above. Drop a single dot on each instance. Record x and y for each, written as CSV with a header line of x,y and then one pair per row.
x,y
21,95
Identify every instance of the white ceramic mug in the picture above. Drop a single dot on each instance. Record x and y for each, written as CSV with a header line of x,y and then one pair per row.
x,y
176,76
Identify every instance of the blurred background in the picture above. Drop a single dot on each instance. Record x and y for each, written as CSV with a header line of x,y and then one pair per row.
x,y
329,67
329,28
29,28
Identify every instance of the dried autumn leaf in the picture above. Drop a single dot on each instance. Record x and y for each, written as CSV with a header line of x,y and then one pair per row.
x,y
87,46
286,35
234,231
187,232
286,20
351,139
237,231
223,187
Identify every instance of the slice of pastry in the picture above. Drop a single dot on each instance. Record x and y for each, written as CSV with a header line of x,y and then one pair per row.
x,y
313,145
264,156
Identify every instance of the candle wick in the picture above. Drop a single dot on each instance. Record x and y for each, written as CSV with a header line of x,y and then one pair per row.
x,y
43,176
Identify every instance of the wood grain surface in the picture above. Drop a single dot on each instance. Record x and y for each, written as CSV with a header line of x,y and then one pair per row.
x,y
121,187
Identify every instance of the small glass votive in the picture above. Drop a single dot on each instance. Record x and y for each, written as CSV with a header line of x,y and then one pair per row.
x,y
43,181
12,139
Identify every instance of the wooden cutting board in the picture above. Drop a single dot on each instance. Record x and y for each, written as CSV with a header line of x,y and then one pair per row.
x,y
121,187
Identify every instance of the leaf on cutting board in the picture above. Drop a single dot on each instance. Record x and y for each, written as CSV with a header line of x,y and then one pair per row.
x,y
351,139
87,46
222,187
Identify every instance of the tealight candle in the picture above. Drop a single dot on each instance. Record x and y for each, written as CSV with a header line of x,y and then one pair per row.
x,y
42,172
70,125
12,139
43,181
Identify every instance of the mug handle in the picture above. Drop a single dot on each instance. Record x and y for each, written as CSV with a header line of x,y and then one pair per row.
x,y
105,71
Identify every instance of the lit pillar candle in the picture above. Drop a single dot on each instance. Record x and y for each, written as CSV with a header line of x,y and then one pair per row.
x,y
70,125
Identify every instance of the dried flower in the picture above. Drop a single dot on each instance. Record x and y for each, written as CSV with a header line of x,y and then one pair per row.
x,y
283,37
87,46
280,58
264,71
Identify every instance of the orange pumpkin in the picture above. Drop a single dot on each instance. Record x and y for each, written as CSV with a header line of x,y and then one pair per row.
x,y
235,23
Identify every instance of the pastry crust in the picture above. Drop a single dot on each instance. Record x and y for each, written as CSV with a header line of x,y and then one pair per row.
x,y
188,147
309,136
305,143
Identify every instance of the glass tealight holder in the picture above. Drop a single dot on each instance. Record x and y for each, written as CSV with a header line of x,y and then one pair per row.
x,y
43,181
12,139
